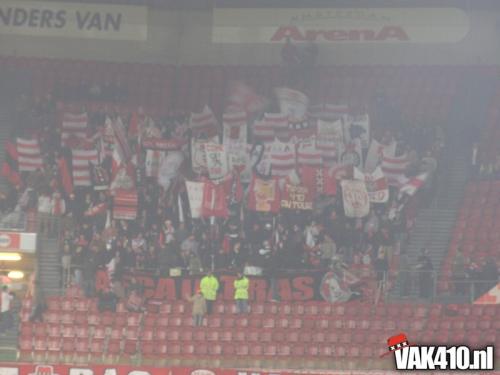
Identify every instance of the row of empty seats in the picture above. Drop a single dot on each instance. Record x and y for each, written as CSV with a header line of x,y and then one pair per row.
x,y
74,330
477,229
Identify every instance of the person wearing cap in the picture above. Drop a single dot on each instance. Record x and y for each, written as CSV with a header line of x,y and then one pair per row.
x,y
241,285
199,307
209,286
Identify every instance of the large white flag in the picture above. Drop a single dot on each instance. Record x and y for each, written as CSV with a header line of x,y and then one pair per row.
x,y
376,184
375,153
195,196
356,199
234,127
216,157
292,103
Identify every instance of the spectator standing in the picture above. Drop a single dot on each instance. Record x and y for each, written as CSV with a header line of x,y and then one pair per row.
x,y
209,286
66,265
426,274
241,285
39,303
459,274
6,318
199,307
475,159
44,213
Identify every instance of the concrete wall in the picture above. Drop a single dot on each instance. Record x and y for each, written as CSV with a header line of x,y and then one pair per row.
x,y
185,37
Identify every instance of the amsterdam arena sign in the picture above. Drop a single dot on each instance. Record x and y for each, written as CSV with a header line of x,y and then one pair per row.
x,y
340,25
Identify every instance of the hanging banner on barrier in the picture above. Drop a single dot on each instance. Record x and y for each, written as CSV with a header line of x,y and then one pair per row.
x,y
303,286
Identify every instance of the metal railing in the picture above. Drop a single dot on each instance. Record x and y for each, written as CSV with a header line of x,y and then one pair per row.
x,y
14,221
428,285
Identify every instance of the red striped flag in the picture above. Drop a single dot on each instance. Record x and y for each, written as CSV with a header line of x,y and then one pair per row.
x,y
125,204
73,126
203,122
81,160
394,168
29,157
282,156
120,139
328,112
271,125
328,149
411,185
308,154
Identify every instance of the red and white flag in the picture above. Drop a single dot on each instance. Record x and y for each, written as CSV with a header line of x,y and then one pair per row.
x,y
331,129
318,180
153,161
328,148
217,164
308,154
411,185
356,199
73,126
269,127
241,97
125,204
264,195
195,196
234,127
282,156
328,112
376,184
29,157
376,152
122,151
81,160
203,122
394,168
214,200
293,103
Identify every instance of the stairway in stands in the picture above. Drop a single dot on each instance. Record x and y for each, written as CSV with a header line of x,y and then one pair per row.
x,y
49,264
434,225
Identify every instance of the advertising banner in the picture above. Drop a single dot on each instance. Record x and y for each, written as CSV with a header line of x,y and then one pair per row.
x,y
74,20
340,25
17,241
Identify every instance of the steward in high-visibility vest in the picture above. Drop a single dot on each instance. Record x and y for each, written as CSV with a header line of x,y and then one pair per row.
x,y
209,286
241,286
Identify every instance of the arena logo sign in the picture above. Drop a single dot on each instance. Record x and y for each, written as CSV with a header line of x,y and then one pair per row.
x,y
300,34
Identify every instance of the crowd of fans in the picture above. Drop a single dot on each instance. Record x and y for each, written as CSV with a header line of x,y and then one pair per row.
x,y
160,239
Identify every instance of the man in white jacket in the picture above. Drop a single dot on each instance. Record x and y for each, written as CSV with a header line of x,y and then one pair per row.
x,y
45,206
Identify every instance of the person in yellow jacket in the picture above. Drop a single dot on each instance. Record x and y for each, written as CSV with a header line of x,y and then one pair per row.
x,y
209,285
241,285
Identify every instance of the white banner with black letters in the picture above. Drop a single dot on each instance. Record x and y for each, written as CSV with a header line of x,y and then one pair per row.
x,y
74,20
